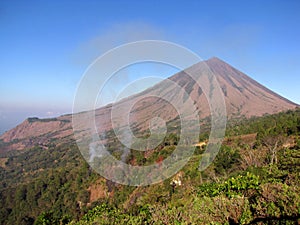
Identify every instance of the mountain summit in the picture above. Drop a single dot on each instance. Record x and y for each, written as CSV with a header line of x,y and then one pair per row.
x,y
244,97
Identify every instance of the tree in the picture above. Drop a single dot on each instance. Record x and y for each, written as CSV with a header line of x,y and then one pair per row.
x,y
46,218
272,143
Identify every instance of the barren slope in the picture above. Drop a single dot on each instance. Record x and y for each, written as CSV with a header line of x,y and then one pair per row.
x,y
243,97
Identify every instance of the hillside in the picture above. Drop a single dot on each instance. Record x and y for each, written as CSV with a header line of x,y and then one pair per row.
x,y
253,180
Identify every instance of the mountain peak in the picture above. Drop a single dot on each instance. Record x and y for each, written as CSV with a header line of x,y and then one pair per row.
x,y
244,97
214,59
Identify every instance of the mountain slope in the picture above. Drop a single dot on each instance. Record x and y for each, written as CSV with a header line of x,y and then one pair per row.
x,y
243,96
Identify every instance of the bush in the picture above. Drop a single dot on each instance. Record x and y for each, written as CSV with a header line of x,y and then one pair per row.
x,y
232,186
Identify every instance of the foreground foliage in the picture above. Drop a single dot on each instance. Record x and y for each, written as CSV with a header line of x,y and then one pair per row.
x,y
253,180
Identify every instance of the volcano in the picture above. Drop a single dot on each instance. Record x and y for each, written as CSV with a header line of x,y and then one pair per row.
x,y
243,96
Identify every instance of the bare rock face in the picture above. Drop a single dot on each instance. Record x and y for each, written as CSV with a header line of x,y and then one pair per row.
x,y
243,97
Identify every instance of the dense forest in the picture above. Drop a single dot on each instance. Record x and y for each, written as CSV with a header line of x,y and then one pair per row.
x,y
253,180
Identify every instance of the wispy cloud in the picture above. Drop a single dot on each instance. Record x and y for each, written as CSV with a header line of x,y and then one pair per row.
x,y
116,35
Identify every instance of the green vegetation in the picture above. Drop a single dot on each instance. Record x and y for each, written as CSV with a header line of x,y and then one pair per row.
x,y
255,179
42,180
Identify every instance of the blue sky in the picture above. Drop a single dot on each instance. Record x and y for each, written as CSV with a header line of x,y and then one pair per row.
x,y
47,45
